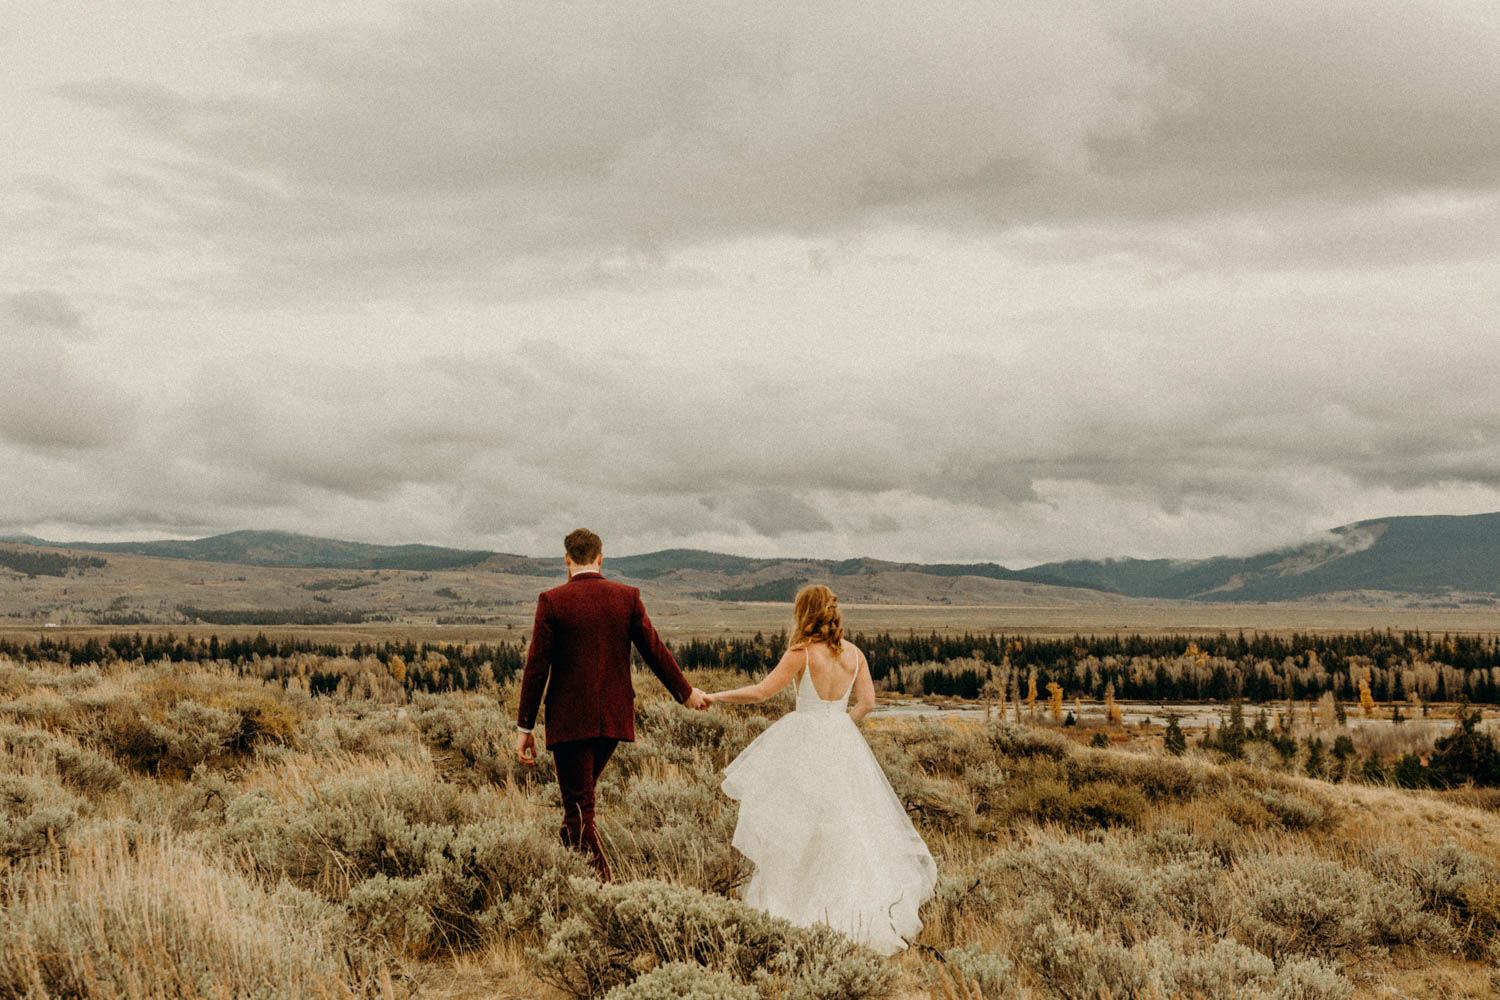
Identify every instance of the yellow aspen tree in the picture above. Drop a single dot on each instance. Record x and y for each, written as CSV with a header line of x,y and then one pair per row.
x,y
1031,693
1366,700
1111,711
1054,696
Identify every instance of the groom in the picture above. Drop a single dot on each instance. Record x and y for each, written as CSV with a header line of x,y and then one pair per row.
x,y
581,641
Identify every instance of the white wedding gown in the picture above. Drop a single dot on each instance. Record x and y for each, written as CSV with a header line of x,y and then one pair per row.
x,y
830,840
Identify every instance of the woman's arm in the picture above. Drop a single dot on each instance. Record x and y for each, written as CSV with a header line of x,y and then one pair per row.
x,y
864,690
779,677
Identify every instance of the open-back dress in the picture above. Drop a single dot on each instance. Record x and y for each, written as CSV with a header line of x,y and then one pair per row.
x,y
828,837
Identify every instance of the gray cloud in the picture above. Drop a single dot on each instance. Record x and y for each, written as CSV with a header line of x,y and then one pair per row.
x,y
1011,281
563,146
479,451
39,314
49,398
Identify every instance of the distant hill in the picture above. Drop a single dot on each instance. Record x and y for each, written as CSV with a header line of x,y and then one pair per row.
x,y
1433,555
280,548
1406,555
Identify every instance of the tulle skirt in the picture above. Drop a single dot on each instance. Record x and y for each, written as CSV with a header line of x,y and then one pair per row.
x,y
828,837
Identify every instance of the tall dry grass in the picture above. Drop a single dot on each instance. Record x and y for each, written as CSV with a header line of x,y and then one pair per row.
x,y
169,831
152,917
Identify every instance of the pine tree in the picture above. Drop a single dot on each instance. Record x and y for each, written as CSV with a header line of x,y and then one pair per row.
x,y
1175,743
1232,740
1316,766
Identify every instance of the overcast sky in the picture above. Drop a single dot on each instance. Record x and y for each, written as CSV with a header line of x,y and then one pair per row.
x,y
939,281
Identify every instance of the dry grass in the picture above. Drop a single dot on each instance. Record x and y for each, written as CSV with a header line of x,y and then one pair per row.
x,y
254,873
157,918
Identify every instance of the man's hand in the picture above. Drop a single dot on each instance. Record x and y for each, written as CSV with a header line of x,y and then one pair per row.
x,y
526,748
698,700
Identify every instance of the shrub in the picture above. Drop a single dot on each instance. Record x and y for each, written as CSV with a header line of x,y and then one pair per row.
x,y
33,814
1006,739
717,736
678,830
935,802
485,878
1292,811
1091,804
684,981
1077,964
1160,779
981,974
478,736
1306,906
1089,885
1226,969
1453,883
78,768
611,930
1310,979
415,860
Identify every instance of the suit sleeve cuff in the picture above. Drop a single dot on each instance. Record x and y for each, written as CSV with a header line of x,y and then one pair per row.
x,y
523,729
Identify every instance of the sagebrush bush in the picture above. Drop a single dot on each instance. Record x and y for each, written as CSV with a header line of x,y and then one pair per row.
x,y
417,861
1310,979
978,972
1292,811
610,931
937,802
1307,906
1158,778
1455,884
80,769
677,829
1121,883
489,878
1077,964
479,735
1090,804
376,733
34,813
718,736
1087,884
1083,964
684,981
344,829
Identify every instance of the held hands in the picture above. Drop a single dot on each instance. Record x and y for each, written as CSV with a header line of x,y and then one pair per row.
x,y
699,700
526,748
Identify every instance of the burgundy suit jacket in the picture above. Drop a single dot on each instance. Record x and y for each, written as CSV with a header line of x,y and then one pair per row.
x,y
580,654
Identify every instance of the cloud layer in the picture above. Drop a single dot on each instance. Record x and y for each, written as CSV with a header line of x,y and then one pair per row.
x,y
970,280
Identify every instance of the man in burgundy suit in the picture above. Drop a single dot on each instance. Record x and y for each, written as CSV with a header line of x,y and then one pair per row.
x,y
580,653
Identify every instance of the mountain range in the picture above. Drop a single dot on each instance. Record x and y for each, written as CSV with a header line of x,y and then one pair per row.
x,y
1455,556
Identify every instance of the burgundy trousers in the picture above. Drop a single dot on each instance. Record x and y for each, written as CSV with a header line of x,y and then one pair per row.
x,y
579,764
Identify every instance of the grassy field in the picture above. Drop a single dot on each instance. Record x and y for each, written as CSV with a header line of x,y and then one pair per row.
x,y
479,604
179,831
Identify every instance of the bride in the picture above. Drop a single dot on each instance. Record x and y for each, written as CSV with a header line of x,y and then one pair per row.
x,y
828,837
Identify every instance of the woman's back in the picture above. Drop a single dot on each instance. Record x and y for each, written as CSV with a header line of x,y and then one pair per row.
x,y
831,675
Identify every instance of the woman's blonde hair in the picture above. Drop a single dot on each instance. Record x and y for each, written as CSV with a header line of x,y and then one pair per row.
x,y
817,614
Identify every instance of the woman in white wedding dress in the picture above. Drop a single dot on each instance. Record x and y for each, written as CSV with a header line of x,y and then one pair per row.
x,y
828,837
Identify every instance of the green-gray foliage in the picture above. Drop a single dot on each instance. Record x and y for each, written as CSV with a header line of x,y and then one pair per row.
x,y
684,981
610,931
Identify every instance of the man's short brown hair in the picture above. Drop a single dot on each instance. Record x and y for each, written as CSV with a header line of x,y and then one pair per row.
x,y
583,546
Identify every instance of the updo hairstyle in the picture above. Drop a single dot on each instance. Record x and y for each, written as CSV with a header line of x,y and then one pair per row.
x,y
817,613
